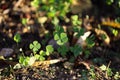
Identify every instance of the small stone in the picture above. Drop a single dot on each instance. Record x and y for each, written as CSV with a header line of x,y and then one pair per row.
x,y
6,52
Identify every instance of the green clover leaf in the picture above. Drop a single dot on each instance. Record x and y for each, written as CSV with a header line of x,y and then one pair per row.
x,y
61,39
35,46
76,50
49,49
63,50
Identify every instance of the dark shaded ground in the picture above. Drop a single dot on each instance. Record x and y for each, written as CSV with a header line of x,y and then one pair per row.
x,y
10,24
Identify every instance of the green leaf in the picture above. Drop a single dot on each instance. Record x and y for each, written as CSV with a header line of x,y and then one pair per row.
x,y
74,17
35,46
59,42
64,37
55,21
90,41
115,32
103,67
63,50
42,58
24,21
49,48
35,3
42,53
17,38
76,50
51,14
31,46
37,56
23,60
103,36
87,53
109,72
56,37
31,60
81,32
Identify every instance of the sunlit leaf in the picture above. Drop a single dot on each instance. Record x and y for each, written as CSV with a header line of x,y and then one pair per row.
x,y
42,53
56,37
24,21
103,67
17,38
42,58
49,48
35,46
31,60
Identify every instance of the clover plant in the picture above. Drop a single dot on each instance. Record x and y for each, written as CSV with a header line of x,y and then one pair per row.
x,y
63,50
61,38
49,49
75,20
76,49
35,46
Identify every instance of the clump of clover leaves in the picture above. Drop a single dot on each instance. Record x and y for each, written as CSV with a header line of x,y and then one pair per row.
x,y
35,46
63,50
76,49
61,38
76,26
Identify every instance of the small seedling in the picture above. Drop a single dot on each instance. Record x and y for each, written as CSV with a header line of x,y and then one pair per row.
x,y
17,38
24,21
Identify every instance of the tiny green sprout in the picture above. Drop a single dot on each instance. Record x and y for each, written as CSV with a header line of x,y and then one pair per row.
x,y
115,32
117,76
35,3
35,46
107,70
17,38
49,49
41,56
51,14
61,39
24,21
